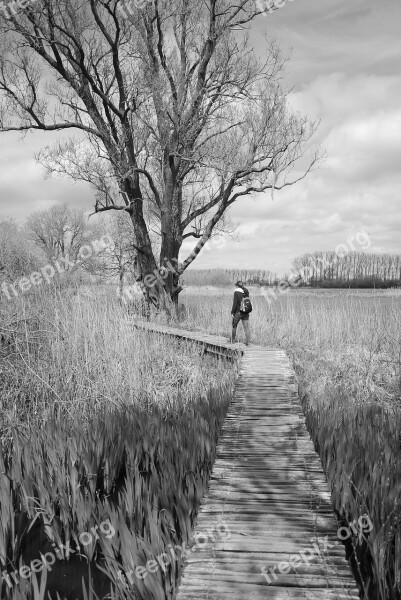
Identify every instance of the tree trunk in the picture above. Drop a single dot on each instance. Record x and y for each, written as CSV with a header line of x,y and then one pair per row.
x,y
155,292
170,229
169,252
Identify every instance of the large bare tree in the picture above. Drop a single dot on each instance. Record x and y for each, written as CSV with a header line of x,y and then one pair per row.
x,y
177,117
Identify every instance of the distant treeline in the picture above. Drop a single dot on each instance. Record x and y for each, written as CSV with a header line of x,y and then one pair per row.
x,y
228,277
353,269
318,269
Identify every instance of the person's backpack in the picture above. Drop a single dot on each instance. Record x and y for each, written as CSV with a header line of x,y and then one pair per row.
x,y
246,305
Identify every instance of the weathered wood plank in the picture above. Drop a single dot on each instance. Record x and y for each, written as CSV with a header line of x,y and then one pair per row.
x,y
266,519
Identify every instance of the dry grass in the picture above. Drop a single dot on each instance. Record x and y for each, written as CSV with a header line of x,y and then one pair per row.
x,y
79,353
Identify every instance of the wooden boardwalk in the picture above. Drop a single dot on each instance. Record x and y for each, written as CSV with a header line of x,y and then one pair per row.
x,y
213,344
267,496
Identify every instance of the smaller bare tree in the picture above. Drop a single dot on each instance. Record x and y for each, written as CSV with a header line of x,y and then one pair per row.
x,y
60,232
118,261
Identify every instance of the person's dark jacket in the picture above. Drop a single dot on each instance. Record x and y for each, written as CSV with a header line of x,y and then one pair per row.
x,y
238,295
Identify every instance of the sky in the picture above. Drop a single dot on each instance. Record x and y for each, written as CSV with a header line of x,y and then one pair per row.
x,y
345,71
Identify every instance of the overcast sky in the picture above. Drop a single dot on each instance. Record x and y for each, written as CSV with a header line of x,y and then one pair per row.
x,y
345,70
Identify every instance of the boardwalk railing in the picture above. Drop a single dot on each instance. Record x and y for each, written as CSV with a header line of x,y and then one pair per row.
x,y
267,493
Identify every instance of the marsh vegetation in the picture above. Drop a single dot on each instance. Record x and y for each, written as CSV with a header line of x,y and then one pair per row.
x,y
103,423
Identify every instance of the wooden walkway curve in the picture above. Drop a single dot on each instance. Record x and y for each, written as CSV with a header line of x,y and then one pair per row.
x,y
267,494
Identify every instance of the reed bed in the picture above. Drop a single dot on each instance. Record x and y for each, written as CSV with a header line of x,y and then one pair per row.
x,y
346,349
100,423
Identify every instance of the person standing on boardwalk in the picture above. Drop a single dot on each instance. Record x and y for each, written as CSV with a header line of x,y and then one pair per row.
x,y
240,312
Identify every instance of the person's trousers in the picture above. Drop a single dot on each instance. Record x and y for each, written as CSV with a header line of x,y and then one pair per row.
x,y
244,317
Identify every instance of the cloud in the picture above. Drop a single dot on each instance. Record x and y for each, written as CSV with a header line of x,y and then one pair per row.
x,y
336,97
366,150
23,188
